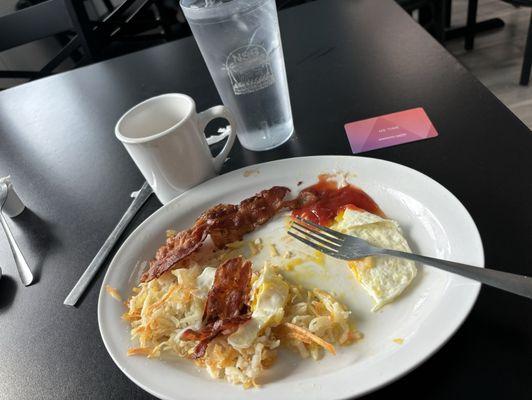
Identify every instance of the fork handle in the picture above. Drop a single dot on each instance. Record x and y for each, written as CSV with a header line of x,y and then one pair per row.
x,y
513,283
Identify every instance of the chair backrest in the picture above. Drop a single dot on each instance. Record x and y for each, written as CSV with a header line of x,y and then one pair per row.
x,y
52,17
34,23
122,15
127,26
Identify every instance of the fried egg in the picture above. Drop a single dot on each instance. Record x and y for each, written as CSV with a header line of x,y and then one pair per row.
x,y
384,278
270,293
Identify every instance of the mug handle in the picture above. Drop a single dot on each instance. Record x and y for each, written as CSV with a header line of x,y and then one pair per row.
x,y
219,112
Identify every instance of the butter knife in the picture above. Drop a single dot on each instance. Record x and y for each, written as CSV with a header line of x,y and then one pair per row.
x,y
141,196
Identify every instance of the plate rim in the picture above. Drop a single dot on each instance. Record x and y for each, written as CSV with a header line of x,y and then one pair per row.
x,y
475,286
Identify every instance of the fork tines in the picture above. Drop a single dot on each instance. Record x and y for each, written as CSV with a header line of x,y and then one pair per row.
x,y
316,236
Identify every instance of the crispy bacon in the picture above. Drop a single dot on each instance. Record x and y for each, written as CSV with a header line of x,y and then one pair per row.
x,y
227,305
244,218
177,248
225,223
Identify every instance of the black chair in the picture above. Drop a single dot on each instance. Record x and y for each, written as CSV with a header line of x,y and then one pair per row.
x,y
129,26
434,15
470,35
40,21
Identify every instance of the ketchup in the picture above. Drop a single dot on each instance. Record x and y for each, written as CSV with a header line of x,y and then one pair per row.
x,y
331,200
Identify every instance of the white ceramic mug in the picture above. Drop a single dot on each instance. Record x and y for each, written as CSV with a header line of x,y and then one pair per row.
x,y
165,137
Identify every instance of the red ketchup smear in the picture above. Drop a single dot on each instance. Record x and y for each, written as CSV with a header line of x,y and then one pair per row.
x,y
333,200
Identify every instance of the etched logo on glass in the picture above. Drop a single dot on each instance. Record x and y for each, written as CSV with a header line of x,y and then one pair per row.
x,y
249,69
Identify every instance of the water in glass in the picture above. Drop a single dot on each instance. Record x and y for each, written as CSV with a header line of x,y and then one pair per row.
x,y
241,44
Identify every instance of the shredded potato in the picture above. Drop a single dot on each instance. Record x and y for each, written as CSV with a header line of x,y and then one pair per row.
x,y
113,292
304,335
314,321
160,310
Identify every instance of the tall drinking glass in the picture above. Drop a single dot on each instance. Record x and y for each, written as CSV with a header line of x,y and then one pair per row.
x,y
241,44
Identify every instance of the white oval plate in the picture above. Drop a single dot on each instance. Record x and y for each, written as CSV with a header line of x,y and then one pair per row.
x,y
424,317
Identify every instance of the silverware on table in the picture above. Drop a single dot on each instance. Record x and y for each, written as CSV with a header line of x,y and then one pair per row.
x,y
140,198
345,247
22,266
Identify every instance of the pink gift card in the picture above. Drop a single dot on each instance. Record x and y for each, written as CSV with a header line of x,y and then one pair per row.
x,y
389,130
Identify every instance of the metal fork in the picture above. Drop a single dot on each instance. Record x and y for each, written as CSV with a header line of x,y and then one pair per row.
x,y
345,247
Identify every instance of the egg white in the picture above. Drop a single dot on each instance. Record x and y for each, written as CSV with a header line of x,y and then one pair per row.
x,y
384,278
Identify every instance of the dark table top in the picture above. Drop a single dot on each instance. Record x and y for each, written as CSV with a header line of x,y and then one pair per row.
x,y
346,60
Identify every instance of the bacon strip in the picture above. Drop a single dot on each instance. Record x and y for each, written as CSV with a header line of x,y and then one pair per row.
x,y
227,304
231,225
177,248
225,223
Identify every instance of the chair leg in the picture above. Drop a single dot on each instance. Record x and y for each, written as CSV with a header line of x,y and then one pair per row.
x,y
438,19
471,24
448,12
527,62
425,15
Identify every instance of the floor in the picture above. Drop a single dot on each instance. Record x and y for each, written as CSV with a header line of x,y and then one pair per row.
x,y
498,55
